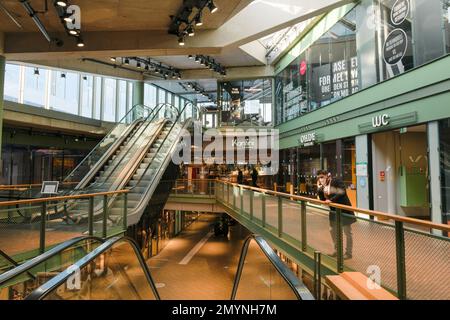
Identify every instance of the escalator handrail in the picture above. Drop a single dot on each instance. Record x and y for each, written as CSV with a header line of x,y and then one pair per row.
x,y
298,288
51,285
157,151
14,262
154,113
106,136
28,265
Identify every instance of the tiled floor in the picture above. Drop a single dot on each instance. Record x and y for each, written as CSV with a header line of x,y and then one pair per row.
x,y
209,274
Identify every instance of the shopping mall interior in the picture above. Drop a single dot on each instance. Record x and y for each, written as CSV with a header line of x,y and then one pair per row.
x,y
225,150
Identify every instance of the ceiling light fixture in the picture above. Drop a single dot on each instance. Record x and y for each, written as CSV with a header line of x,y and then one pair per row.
x,y
113,59
80,43
62,3
181,40
191,31
212,7
198,20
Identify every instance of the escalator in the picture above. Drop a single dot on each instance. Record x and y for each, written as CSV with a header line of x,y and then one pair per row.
x,y
115,269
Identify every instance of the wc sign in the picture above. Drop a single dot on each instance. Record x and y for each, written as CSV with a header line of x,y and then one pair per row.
x,y
380,121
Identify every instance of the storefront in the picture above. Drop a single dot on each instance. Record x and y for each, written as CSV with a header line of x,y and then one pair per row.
x,y
365,95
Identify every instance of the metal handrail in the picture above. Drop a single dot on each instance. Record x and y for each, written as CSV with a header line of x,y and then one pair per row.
x,y
162,143
382,215
14,262
298,288
51,285
28,265
61,198
106,136
152,114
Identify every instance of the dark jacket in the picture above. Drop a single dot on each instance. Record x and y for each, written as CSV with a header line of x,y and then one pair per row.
x,y
240,177
338,194
254,177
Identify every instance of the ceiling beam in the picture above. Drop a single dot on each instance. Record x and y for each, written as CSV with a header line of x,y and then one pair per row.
x,y
31,46
232,73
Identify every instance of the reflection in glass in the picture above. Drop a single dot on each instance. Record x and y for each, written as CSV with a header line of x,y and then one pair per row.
x,y
34,86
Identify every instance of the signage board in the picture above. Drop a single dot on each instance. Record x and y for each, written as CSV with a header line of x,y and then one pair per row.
x,y
49,187
395,47
400,11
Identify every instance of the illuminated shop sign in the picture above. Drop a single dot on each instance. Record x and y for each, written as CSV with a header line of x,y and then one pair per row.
x,y
243,143
308,139
380,121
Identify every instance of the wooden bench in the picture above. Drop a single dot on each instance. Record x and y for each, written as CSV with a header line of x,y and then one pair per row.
x,y
353,286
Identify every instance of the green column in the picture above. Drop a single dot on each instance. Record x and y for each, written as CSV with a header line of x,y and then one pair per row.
x,y
2,85
138,97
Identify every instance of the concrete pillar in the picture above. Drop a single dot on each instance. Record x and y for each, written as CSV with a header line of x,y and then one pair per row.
x,y
2,86
138,97
434,166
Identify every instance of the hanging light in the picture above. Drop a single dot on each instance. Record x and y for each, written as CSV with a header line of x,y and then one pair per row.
x,y
63,75
36,71
181,40
80,43
67,18
73,32
190,57
191,31
197,59
138,65
62,3
198,20
113,59
212,7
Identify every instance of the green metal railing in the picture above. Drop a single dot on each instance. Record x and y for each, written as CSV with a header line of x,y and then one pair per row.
x,y
29,234
402,252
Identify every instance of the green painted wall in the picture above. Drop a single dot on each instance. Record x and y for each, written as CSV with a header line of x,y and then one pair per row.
x,y
425,90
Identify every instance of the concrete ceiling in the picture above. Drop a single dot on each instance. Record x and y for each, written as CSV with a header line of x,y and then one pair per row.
x,y
112,15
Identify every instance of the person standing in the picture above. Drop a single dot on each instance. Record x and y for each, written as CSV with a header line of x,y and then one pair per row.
x,y
255,175
332,190
240,177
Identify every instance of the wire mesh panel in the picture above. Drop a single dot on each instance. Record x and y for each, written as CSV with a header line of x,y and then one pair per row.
x,y
291,219
374,249
272,211
318,230
258,205
20,231
247,201
427,266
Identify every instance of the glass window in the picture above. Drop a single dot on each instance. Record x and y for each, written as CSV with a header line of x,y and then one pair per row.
x,y
34,86
446,6
130,96
445,164
87,94
122,103
12,82
161,99
64,91
109,100
245,102
98,97
149,95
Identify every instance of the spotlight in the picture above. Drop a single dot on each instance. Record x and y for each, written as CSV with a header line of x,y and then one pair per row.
x,y
138,65
197,59
179,76
174,75
157,71
202,62
198,20
113,59
127,61
73,32
36,71
61,3
80,43
63,75
147,68
67,18
181,41
191,31
84,78
191,57
212,7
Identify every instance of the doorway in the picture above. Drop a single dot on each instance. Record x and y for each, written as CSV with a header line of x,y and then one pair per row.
x,y
400,172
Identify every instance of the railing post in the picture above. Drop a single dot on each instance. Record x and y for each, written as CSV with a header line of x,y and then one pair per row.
x,y
241,194
339,241
125,211
263,214
234,199
105,215
91,216
251,205
400,256
317,274
280,216
43,225
303,225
